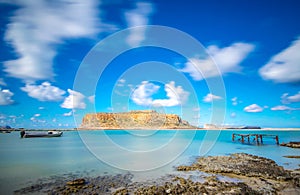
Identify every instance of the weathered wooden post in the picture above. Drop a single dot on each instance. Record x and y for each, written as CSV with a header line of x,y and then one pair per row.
x,y
277,140
233,137
261,138
256,137
242,138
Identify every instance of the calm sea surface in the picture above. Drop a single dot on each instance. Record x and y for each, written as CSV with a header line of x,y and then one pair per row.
x,y
147,154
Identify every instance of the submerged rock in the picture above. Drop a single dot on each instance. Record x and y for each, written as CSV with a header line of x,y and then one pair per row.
x,y
291,156
76,182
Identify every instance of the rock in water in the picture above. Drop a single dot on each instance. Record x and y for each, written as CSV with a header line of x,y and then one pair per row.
x,y
76,182
291,144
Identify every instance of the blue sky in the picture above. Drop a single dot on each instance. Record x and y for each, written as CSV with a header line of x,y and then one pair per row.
x,y
254,44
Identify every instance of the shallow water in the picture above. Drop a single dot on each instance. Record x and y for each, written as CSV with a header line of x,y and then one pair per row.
x,y
146,154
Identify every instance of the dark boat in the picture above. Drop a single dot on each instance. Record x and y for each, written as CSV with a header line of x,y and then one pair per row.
x,y
5,131
48,134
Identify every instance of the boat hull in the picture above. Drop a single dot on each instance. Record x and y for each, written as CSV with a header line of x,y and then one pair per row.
x,y
36,135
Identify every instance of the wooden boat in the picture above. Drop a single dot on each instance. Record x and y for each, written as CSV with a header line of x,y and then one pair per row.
x,y
41,134
5,131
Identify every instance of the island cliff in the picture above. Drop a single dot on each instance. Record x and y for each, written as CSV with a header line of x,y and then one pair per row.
x,y
146,119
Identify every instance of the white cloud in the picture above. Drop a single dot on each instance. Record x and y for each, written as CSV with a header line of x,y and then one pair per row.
x,y
196,109
253,108
2,82
110,109
197,116
41,108
233,115
37,26
44,92
227,60
284,67
122,80
35,119
68,113
286,99
294,98
123,89
142,94
176,96
11,119
121,83
138,17
282,108
75,100
91,99
234,101
5,97
210,98
131,87
121,93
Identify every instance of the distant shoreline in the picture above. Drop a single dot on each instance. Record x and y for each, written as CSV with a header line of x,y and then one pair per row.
x,y
174,129
197,129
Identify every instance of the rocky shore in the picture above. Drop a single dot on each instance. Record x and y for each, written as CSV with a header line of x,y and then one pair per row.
x,y
234,174
260,174
88,185
122,185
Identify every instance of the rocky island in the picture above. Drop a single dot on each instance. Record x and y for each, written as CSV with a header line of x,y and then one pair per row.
x,y
141,119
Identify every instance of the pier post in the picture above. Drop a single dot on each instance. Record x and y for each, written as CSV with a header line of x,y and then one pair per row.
x,y
261,138
257,137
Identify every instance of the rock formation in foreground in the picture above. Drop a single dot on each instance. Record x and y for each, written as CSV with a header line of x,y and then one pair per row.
x,y
234,174
146,119
260,174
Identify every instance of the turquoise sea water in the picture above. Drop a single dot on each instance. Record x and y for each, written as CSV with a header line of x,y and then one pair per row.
x,y
147,154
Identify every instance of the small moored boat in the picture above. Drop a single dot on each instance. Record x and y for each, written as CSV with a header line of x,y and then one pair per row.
x,y
41,134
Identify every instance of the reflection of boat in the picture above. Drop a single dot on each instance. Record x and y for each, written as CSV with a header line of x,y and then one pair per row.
x,y
5,131
41,134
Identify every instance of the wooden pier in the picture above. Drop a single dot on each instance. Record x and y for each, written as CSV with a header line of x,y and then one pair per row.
x,y
255,137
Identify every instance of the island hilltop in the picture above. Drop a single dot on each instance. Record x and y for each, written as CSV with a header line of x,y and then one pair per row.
x,y
140,119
